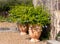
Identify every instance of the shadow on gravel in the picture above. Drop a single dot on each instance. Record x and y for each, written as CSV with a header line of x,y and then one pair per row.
x,y
4,29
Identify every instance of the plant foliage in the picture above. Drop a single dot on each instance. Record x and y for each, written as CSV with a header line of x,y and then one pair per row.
x,y
25,14
2,19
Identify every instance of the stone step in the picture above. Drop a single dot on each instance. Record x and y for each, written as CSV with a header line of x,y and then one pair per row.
x,y
58,38
53,42
7,26
8,29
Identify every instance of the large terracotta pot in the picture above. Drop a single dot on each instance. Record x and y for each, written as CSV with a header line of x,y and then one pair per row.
x,y
35,32
22,28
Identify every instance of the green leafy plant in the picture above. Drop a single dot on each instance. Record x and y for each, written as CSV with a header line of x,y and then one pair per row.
x,y
18,13
2,19
31,15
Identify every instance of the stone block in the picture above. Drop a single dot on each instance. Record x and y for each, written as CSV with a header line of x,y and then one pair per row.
x,y
53,42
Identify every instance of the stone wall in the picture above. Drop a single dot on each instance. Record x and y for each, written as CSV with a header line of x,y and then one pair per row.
x,y
7,26
55,24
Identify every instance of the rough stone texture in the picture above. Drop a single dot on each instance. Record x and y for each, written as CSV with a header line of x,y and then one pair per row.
x,y
6,26
16,38
52,42
58,38
55,25
13,36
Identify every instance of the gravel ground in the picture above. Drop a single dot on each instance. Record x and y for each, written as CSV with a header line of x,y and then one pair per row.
x,y
12,36
16,38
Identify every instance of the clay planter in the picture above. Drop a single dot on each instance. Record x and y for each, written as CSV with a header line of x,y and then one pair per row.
x,y
22,28
35,32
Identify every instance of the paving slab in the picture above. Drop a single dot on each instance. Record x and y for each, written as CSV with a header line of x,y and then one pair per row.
x,y
9,35
16,38
53,42
7,26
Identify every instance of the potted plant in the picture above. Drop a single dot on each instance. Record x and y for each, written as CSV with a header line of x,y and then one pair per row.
x,y
35,32
38,17
30,18
19,15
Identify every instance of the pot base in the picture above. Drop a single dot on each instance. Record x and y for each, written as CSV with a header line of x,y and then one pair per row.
x,y
34,40
23,33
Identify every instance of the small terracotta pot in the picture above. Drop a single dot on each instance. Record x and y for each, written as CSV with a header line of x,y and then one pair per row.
x,y
35,32
22,28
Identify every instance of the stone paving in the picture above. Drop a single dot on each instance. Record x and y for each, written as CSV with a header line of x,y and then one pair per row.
x,y
6,26
53,42
8,35
16,38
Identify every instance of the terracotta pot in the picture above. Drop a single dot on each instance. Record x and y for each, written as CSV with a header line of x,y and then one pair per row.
x,y
22,28
35,32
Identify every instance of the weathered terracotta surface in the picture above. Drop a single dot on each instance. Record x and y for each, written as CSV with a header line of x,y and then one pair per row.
x,y
35,32
22,28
